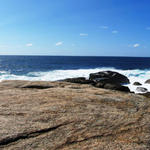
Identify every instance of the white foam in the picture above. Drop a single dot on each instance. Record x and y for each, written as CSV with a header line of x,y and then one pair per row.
x,y
133,75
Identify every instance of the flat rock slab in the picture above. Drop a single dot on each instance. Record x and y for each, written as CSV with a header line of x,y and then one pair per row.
x,y
70,116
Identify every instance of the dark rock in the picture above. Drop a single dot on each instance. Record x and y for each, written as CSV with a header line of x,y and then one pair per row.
x,y
137,83
27,84
37,86
141,89
109,77
80,80
99,85
106,79
103,81
146,94
110,80
117,87
123,88
112,86
147,82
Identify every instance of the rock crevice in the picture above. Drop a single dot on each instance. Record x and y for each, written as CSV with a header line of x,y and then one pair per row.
x,y
24,135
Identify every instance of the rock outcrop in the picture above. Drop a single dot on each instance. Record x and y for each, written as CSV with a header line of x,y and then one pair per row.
x,y
70,116
141,89
112,86
147,82
137,83
109,76
106,79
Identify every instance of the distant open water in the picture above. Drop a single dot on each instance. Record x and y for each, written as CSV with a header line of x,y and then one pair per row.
x,y
51,68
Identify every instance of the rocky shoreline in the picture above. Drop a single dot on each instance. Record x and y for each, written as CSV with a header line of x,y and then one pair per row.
x,y
64,115
110,80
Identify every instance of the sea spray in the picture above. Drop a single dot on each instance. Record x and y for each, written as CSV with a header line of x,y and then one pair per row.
x,y
135,75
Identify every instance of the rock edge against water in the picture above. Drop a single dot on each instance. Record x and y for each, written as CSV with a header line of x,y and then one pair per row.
x,y
110,80
104,79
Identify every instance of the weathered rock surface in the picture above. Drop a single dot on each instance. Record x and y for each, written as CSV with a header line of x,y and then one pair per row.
x,y
148,81
71,116
141,89
116,87
110,76
137,83
112,86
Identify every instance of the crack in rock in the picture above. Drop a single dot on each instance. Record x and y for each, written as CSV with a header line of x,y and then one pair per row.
x,y
21,136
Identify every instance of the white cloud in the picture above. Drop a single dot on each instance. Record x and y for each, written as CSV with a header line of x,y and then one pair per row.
x,y
104,27
136,45
59,43
83,34
29,45
114,31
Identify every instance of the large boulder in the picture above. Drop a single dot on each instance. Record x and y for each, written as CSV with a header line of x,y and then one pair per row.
x,y
109,77
110,80
147,82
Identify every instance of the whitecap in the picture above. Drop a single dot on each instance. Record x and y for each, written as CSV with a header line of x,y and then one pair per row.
x,y
135,75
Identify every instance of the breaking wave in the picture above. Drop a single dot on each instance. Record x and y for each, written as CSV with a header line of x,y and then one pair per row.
x,y
135,75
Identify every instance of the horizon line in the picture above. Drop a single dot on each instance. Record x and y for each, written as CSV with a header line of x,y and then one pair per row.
x,y
72,55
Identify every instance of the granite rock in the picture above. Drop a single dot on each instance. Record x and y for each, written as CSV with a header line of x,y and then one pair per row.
x,y
69,116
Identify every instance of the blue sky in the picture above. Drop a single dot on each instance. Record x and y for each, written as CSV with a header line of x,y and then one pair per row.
x,y
75,27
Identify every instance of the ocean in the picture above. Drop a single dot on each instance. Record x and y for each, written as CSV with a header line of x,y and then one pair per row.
x,y
52,68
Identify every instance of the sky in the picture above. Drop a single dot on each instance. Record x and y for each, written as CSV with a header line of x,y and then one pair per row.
x,y
75,27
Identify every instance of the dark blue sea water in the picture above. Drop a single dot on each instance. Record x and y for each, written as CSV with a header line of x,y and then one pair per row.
x,y
50,68
21,65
